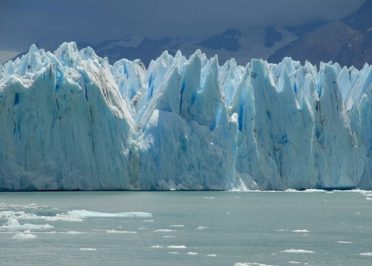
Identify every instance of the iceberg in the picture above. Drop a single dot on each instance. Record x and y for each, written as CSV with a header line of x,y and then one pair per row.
x,y
69,120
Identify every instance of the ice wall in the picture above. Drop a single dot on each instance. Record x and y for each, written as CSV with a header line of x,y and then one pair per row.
x,y
70,120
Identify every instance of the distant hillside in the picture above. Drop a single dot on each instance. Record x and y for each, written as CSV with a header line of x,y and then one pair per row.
x,y
332,42
362,18
348,42
241,44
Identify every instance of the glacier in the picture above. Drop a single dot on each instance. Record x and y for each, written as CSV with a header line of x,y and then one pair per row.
x,y
69,120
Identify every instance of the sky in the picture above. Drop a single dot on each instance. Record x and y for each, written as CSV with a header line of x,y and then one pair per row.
x,y
50,22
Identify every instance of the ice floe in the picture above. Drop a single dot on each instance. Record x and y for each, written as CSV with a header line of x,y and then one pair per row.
x,y
165,230
201,227
297,251
177,226
251,264
24,236
300,231
120,232
192,253
366,254
94,214
13,225
177,247
157,246
88,249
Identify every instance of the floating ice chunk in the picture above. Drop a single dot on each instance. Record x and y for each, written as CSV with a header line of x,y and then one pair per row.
x,y
312,190
74,232
177,225
93,214
366,254
157,246
61,217
192,253
88,249
300,231
201,227
50,232
165,230
291,190
282,230
23,236
144,228
297,251
168,236
58,217
14,225
177,247
293,262
6,214
120,232
368,198
344,242
211,255
251,264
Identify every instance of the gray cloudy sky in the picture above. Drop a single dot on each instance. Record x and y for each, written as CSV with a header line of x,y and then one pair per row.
x,y
50,22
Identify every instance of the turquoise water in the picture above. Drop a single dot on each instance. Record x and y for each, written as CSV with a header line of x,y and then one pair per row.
x,y
186,228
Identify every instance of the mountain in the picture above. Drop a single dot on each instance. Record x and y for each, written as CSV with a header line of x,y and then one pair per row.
x,y
348,41
361,19
332,42
70,120
240,44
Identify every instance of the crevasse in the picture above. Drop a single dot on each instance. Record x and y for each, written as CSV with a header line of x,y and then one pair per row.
x,y
71,121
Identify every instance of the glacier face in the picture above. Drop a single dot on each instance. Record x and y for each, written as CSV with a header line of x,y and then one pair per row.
x,y
70,120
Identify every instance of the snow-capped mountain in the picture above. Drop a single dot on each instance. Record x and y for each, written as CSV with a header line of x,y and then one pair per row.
x,y
347,41
232,43
71,120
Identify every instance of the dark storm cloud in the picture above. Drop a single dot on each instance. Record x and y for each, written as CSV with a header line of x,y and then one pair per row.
x,y
49,22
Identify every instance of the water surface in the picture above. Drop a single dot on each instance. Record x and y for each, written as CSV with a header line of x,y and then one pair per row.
x,y
185,228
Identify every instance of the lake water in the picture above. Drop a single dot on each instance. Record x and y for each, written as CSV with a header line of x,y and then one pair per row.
x,y
186,228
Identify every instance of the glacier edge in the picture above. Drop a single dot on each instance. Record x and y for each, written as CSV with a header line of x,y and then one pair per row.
x,y
71,121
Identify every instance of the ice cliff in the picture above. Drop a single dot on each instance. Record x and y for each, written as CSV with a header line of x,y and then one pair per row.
x,y
70,120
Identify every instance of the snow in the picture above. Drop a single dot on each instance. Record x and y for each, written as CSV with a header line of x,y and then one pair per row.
x,y
182,123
